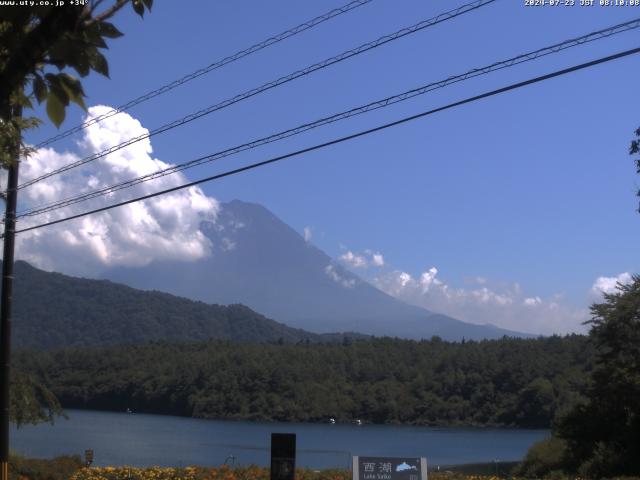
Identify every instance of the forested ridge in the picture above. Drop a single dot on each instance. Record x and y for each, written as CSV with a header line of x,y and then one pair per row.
x,y
53,310
507,382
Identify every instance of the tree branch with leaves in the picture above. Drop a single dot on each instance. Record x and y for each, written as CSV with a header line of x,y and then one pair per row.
x,y
634,150
38,47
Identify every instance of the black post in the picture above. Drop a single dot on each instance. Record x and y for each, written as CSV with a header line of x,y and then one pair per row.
x,y
5,309
283,456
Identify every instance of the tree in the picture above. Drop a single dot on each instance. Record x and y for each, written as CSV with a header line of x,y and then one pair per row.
x,y
603,433
37,45
536,403
634,150
543,460
31,401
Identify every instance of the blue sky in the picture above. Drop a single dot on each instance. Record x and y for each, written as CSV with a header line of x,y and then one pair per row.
x,y
533,187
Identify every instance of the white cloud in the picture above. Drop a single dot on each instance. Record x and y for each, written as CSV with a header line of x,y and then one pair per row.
x,y
428,279
475,280
227,244
504,305
608,284
165,227
404,278
377,260
485,295
333,274
307,234
353,260
532,301
367,259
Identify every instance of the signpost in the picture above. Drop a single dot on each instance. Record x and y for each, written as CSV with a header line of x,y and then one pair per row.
x,y
88,457
389,468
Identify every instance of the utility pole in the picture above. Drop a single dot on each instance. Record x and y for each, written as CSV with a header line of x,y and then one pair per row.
x,y
7,292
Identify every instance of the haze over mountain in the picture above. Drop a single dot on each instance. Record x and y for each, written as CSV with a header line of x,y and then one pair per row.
x,y
52,311
259,261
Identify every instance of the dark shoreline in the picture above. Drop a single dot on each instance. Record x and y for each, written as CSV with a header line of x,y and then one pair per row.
x,y
276,422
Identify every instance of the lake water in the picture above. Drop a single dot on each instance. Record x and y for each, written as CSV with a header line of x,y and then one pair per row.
x,y
145,440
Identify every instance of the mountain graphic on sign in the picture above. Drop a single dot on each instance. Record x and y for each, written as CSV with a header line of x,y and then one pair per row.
x,y
405,466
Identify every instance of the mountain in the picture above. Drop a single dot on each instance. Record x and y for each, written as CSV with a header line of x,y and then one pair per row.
x,y
52,310
260,261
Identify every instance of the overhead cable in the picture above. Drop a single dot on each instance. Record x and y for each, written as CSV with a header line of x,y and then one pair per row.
x,y
346,138
267,86
522,58
209,68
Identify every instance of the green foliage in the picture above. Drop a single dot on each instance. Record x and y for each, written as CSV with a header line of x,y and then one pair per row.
x,y
510,382
634,150
52,310
37,43
31,401
34,40
59,468
536,402
543,459
382,380
603,433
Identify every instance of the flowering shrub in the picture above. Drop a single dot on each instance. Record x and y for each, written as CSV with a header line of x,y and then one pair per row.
x,y
245,473
199,473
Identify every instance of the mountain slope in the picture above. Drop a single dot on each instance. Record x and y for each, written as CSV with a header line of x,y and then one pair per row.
x,y
259,261
52,310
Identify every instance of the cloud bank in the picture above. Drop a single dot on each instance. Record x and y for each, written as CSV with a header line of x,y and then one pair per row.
x,y
165,227
505,306
481,303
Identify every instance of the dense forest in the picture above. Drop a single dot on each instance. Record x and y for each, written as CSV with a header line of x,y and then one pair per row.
x,y
54,311
508,382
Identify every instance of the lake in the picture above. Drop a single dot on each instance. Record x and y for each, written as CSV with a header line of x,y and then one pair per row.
x,y
145,440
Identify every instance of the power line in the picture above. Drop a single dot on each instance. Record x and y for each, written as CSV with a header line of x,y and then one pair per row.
x,y
267,86
593,36
214,66
362,133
